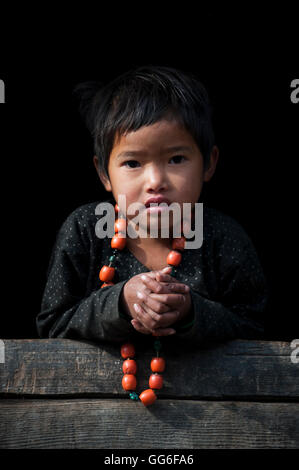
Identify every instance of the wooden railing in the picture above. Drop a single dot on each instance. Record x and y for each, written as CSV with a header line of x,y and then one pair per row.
x,y
60,393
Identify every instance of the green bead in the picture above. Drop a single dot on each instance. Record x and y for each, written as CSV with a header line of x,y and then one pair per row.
x,y
112,258
134,396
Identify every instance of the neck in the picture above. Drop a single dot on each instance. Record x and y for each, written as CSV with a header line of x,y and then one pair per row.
x,y
147,244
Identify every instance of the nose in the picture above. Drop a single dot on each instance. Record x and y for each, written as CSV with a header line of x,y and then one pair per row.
x,y
155,179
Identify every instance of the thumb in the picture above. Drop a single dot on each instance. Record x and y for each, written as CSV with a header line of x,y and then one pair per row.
x,y
165,270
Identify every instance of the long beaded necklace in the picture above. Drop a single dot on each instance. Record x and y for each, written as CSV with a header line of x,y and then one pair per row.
x,y
106,275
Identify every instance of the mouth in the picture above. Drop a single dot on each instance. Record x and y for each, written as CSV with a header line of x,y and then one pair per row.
x,y
157,200
152,205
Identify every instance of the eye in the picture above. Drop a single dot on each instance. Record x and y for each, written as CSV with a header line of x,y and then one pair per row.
x,y
131,164
178,158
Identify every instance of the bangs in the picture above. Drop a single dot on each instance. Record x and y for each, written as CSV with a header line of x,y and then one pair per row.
x,y
134,108
144,96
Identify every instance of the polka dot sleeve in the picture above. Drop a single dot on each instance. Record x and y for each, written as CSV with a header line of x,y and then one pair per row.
x,y
233,306
73,304
227,286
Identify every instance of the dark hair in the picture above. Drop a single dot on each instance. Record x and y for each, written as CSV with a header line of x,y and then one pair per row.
x,y
141,97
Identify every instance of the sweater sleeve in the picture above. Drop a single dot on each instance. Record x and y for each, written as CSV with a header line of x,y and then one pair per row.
x,y
67,311
237,309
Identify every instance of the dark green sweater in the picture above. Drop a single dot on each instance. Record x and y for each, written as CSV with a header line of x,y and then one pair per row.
x,y
227,285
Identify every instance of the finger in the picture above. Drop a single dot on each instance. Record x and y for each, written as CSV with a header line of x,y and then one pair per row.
x,y
168,301
164,276
177,287
138,327
152,274
155,274
166,269
169,285
167,319
144,318
158,332
172,283
155,305
152,321
159,320
152,284
155,286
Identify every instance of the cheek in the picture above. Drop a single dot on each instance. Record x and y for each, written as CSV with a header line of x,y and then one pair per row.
x,y
128,189
192,194
192,189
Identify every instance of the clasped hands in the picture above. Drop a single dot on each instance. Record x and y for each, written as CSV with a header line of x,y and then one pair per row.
x,y
155,301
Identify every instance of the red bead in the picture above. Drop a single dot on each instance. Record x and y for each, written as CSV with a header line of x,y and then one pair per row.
x,y
107,273
118,242
158,364
129,367
156,381
127,350
120,226
116,208
174,258
178,243
148,397
107,284
129,382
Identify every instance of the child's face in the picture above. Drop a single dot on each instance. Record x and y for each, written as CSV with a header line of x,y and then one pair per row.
x,y
157,160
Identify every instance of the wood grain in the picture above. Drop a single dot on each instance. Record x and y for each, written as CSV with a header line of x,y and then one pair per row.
x,y
169,424
59,367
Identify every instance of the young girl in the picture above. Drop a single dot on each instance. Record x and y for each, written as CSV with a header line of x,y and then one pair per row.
x,y
154,143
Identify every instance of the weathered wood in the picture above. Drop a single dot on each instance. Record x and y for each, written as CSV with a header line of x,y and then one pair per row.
x,y
258,369
117,424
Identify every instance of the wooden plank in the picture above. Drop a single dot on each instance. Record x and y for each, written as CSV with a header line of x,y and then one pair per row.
x,y
168,424
59,367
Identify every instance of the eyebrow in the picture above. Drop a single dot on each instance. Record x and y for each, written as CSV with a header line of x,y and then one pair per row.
x,y
179,148
130,153
138,153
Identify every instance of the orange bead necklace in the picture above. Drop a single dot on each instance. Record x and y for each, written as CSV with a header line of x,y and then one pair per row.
x,y
106,275
129,382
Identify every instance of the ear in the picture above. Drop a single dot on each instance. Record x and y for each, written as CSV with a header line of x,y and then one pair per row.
x,y
208,173
102,175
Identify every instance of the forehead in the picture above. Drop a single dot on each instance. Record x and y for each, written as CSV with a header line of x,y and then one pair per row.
x,y
157,137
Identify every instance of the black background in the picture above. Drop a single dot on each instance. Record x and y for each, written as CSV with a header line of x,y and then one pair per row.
x,y
246,60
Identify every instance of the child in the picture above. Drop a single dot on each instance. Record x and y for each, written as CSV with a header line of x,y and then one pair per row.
x,y
153,140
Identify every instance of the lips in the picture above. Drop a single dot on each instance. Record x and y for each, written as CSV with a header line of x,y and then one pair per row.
x,y
157,200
